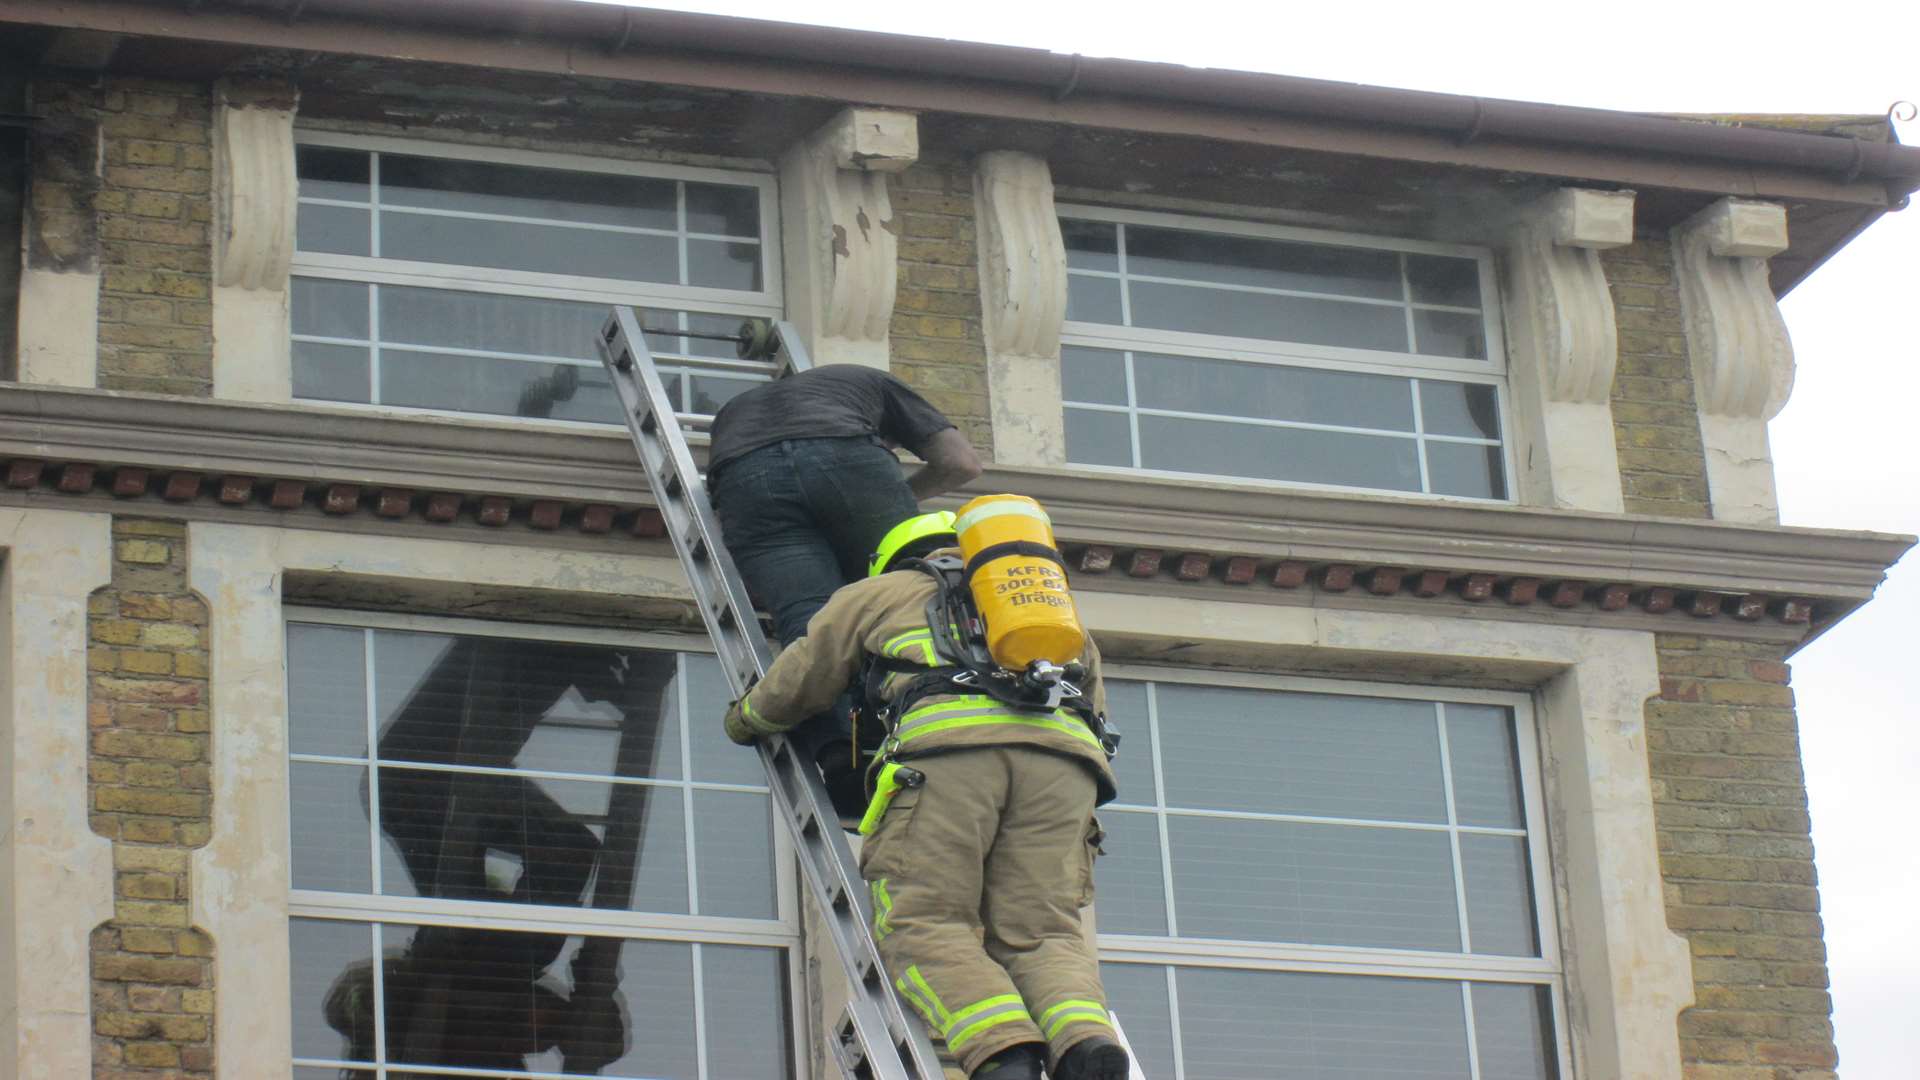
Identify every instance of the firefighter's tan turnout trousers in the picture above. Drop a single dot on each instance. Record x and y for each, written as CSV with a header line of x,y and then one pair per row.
x,y
977,878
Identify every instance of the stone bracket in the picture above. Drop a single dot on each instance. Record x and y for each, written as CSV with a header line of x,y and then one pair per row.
x,y
1023,284
254,184
1564,345
1741,354
837,224
255,192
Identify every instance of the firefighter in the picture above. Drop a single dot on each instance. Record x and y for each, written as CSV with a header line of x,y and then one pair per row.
x,y
982,834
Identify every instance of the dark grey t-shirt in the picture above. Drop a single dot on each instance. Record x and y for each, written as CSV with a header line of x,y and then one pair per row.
x,y
833,401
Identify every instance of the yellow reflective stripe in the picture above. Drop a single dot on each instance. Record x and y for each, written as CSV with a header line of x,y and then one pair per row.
x,y
923,717
979,1007
914,976
1073,728
958,701
1073,1012
882,908
747,709
973,710
926,1011
1081,1003
965,1035
998,509
899,643
921,639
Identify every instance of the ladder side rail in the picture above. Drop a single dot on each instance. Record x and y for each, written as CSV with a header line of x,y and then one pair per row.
x,y
790,355
874,1017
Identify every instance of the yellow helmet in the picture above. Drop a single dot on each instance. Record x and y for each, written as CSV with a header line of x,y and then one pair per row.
x,y
915,536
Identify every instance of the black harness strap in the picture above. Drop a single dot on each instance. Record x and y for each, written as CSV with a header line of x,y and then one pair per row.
x,y
1012,547
959,641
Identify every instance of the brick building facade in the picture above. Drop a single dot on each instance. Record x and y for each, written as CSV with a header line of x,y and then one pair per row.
x,y
1412,473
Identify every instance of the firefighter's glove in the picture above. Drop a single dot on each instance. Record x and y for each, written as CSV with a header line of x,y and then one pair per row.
x,y
744,726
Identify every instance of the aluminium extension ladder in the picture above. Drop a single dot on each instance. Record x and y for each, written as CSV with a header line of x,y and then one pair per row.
x,y
874,1038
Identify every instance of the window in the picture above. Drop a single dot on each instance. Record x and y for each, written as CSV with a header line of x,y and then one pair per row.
x,y
440,279
559,861
1332,884
1277,354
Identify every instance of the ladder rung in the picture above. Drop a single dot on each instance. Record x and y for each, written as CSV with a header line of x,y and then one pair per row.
x,y
807,821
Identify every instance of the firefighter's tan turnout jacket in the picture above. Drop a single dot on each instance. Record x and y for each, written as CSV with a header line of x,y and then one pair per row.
x,y
887,616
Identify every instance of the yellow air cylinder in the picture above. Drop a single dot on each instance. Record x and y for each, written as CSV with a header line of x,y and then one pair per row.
x,y
1017,582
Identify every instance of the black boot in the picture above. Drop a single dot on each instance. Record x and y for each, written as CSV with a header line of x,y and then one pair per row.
x,y
1096,1058
1015,1063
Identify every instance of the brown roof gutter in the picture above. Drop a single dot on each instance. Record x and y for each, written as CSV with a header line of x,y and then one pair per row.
x,y
613,29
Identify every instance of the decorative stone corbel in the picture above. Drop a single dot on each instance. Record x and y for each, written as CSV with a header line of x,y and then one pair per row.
x,y
837,224
1023,285
1742,357
255,192
1563,346
59,327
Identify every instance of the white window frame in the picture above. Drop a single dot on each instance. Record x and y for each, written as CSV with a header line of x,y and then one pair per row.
x,y
1491,371
782,932
647,295
1546,970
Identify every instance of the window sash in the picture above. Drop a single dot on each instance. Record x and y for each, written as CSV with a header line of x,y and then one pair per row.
x,y
376,271
1237,952
784,927
767,297
1488,372
706,1028
1559,1052
1234,954
1489,290
1417,435
781,932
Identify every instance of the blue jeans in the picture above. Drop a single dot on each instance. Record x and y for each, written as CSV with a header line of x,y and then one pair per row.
x,y
801,518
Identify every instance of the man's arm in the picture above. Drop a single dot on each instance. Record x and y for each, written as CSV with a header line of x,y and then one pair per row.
x,y
951,463
1096,687
810,673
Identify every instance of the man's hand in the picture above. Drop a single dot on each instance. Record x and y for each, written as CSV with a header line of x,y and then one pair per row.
x,y
951,463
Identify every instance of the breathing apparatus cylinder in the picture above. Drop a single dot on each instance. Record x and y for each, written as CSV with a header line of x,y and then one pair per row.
x,y
1018,584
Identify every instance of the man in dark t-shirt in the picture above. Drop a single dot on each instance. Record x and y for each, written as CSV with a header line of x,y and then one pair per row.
x,y
804,481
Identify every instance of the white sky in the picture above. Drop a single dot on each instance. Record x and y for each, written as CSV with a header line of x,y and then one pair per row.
x,y
1844,447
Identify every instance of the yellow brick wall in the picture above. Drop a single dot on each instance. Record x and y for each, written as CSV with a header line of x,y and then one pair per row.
x,y
1663,469
143,221
150,791
936,340
1736,856
156,314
